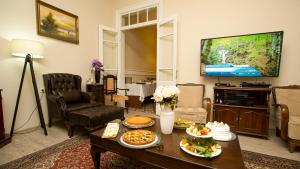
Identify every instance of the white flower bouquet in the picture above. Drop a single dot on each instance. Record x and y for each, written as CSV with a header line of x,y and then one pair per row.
x,y
166,95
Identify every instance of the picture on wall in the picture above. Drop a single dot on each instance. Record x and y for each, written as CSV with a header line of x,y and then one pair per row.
x,y
56,23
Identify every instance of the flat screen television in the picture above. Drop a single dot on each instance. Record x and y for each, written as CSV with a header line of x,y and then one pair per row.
x,y
255,55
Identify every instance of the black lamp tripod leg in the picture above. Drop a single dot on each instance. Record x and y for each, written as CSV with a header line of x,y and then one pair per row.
x,y
18,100
37,98
38,102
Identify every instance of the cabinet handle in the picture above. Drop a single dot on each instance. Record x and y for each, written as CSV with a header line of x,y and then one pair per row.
x,y
237,119
240,118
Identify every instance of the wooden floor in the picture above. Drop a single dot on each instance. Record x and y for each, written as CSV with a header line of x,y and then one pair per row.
x,y
24,144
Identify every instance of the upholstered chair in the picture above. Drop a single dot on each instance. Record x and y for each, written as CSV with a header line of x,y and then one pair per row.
x,y
287,104
191,103
66,101
110,88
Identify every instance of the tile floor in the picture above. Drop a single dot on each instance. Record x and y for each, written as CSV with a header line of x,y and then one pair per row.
x,y
24,144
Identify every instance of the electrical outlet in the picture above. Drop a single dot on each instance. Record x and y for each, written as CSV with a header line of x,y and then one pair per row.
x,y
42,90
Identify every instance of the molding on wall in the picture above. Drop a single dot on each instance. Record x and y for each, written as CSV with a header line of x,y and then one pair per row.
x,y
135,72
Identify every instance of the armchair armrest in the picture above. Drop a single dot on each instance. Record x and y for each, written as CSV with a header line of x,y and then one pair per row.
x,y
207,106
88,97
284,121
58,103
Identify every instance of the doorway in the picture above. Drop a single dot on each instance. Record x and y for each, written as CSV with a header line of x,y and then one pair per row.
x,y
140,67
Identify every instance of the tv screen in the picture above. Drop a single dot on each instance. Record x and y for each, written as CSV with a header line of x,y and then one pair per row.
x,y
255,55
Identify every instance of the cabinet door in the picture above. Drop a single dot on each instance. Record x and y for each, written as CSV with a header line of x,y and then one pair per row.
x,y
227,115
253,121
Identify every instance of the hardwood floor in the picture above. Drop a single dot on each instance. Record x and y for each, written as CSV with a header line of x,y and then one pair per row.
x,y
24,144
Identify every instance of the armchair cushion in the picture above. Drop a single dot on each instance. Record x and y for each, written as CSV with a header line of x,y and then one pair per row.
x,y
82,105
196,114
190,96
71,96
294,127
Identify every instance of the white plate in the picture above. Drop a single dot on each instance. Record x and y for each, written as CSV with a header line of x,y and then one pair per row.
x,y
214,154
138,126
232,137
139,146
201,136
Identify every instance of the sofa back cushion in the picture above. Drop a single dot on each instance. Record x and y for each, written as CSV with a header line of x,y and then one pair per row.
x,y
191,95
291,98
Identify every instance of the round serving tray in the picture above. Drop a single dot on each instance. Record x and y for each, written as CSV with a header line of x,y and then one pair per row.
x,y
137,126
233,137
153,144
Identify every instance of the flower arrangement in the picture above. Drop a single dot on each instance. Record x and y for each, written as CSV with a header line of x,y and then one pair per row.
x,y
166,95
97,65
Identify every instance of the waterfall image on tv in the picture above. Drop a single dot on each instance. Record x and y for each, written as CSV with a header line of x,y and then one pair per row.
x,y
245,55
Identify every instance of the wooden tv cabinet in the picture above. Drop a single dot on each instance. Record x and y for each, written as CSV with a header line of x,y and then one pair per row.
x,y
245,109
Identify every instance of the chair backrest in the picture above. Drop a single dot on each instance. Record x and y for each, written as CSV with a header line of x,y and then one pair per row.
x,y
110,84
288,95
191,95
61,82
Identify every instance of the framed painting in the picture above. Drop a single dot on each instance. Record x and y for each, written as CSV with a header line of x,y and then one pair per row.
x,y
56,23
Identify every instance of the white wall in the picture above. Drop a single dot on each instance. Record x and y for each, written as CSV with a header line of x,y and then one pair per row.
x,y
18,20
199,19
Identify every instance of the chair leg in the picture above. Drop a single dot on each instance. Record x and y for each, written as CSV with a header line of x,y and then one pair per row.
x,y
291,146
50,121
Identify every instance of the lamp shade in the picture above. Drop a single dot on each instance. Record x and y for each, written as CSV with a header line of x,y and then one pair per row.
x,y
23,47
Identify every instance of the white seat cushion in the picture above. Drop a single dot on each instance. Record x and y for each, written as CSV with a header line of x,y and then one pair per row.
x,y
196,114
294,127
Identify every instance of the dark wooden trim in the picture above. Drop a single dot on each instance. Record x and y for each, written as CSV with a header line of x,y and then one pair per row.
x,y
38,3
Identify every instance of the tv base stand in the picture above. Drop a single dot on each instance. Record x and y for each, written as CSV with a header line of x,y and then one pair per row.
x,y
246,110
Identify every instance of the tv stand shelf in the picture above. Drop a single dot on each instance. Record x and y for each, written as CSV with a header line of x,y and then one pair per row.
x,y
246,110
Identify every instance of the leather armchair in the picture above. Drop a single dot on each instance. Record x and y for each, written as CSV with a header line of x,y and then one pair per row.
x,y
287,104
191,103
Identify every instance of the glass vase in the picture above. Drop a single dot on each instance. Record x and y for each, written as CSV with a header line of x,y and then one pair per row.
x,y
97,76
167,117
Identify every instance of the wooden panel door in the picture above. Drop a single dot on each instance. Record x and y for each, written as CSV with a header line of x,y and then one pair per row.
x,y
227,115
253,121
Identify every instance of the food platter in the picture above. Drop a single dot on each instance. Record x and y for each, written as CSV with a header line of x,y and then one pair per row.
x,y
182,124
138,126
199,136
154,143
214,154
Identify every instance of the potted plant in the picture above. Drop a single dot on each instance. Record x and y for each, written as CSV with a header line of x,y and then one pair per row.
x,y
97,67
166,96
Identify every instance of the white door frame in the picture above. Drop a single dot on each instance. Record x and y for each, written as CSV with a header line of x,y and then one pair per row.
x,y
121,37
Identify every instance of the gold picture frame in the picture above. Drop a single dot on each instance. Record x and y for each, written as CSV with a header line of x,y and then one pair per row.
x,y
56,23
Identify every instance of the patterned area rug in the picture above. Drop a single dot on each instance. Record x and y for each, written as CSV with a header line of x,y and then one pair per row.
x,y
75,153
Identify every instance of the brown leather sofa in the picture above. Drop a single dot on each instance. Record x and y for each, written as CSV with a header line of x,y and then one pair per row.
x,y
66,101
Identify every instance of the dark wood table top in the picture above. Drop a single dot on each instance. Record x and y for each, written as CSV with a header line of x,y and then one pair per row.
x,y
168,154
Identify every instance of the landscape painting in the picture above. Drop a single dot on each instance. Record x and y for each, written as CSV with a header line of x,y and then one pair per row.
x,y
56,23
244,55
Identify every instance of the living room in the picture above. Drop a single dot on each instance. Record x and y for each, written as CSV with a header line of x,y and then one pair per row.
x,y
197,19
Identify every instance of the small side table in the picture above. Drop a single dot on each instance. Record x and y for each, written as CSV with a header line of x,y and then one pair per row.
x,y
98,90
4,138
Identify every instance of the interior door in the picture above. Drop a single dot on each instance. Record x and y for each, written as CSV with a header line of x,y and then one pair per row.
x,y
166,53
108,50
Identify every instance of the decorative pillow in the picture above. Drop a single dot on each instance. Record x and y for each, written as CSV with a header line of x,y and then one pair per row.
x,y
71,96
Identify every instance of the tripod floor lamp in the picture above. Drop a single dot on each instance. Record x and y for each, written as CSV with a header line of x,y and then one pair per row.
x,y
28,49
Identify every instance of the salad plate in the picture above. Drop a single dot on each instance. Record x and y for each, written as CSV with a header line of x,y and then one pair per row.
x,y
206,148
199,131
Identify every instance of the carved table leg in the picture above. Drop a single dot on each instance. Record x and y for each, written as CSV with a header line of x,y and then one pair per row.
x,y
96,154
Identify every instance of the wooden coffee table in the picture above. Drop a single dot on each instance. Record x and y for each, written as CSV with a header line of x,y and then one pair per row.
x,y
168,154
